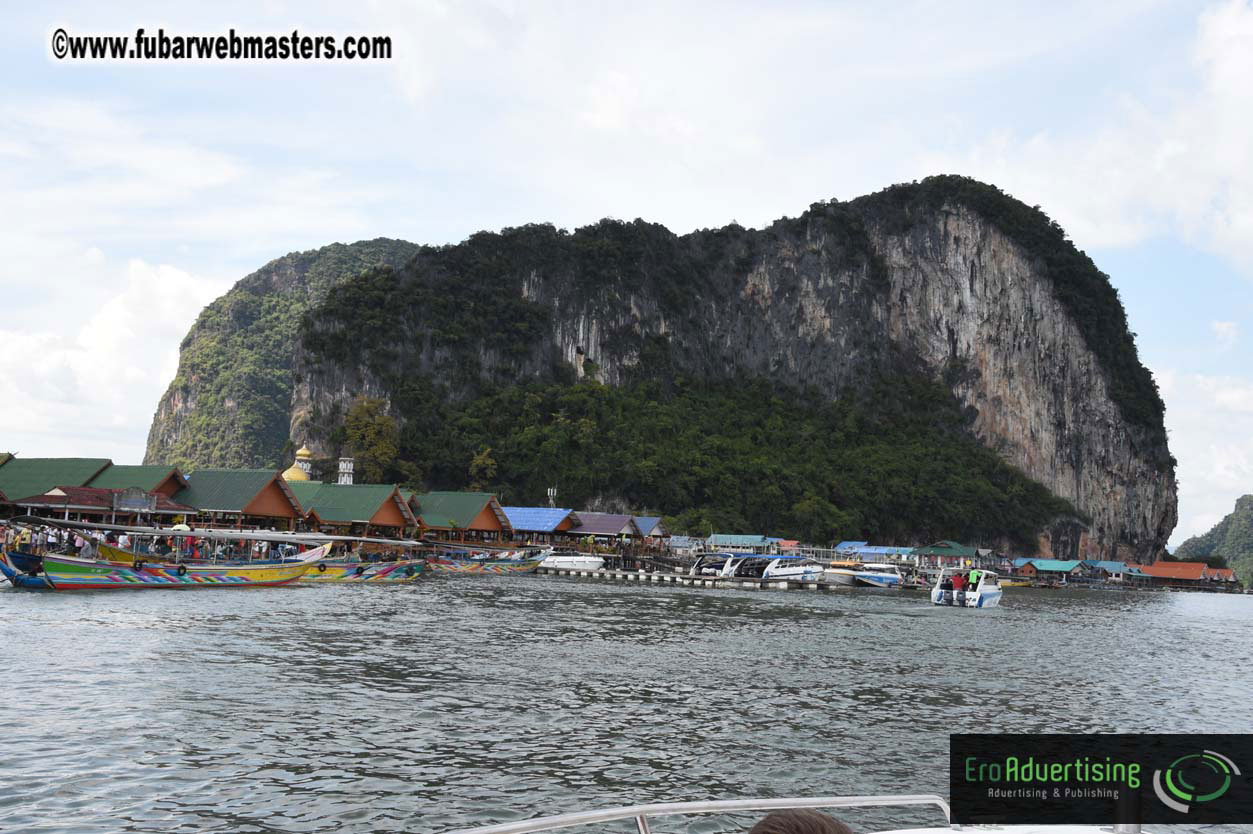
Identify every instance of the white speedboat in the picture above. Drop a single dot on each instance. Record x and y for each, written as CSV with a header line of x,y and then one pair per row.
x,y
757,566
572,560
985,592
879,575
842,573
868,575
794,568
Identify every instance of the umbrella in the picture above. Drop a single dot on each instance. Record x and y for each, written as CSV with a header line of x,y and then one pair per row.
x,y
182,528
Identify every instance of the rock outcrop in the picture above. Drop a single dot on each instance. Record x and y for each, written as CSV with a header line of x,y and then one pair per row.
x,y
228,405
947,278
1230,539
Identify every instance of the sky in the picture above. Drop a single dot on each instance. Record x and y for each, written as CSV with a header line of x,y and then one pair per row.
x,y
134,193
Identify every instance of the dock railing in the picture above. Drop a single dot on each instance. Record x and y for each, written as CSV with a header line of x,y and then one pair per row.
x,y
641,813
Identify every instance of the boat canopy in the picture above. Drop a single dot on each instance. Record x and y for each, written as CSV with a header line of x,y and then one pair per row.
x,y
206,533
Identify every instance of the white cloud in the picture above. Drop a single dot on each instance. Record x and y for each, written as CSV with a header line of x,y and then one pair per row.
x,y
1181,168
125,206
1210,420
1226,333
83,381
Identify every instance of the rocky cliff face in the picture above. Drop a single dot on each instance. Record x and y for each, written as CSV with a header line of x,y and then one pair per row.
x,y
967,299
228,403
947,278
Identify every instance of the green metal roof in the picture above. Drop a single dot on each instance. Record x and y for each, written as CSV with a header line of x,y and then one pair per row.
x,y
146,478
945,548
343,503
225,490
27,477
456,510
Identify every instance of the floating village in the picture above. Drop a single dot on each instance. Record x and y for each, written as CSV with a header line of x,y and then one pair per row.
x,y
89,524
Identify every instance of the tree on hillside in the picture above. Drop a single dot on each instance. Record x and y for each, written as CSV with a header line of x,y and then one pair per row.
x,y
374,438
482,469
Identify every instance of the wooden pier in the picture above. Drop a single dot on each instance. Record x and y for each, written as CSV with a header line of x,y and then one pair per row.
x,y
661,578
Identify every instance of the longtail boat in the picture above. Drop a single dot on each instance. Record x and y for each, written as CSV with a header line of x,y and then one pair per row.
x,y
69,573
140,565
375,573
515,561
26,562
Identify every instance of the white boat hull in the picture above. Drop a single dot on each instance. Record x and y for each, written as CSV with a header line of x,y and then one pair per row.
x,y
566,562
878,581
810,574
841,577
980,599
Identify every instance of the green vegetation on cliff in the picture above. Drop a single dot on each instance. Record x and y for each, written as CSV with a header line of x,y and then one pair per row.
x,y
229,404
469,348
890,464
1079,286
1231,539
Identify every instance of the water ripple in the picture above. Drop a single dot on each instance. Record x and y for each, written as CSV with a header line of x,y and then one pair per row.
x,y
470,700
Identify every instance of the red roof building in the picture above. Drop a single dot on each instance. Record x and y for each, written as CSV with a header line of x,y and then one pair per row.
x,y
1168,572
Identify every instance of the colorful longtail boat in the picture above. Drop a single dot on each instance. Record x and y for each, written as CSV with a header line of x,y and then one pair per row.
x,y
503,562
375,573
68,573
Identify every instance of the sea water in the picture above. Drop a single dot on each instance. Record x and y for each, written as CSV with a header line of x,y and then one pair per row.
x,y
466,700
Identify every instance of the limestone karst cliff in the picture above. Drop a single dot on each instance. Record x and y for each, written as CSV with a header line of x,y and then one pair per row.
x,y
947,279
228,405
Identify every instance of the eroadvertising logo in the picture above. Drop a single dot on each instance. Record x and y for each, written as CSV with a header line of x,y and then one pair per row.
x,y
1194,779
1100,779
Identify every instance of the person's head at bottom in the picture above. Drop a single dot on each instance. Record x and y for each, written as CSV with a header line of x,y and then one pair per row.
x,y
799,821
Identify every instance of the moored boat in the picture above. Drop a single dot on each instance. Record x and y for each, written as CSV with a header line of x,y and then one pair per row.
x,y
572,560
489,561
842,573
878,575
377,573
25,562
757,566
864,575
68,573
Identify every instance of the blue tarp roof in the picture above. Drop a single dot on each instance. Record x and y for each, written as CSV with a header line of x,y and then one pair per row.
x,y
535,519
686,541
1056,565
1019,562
735,540
850,545
880,550
647,523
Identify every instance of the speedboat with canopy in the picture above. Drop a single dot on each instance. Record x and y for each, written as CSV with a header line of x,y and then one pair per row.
x,y
979,588
757,566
